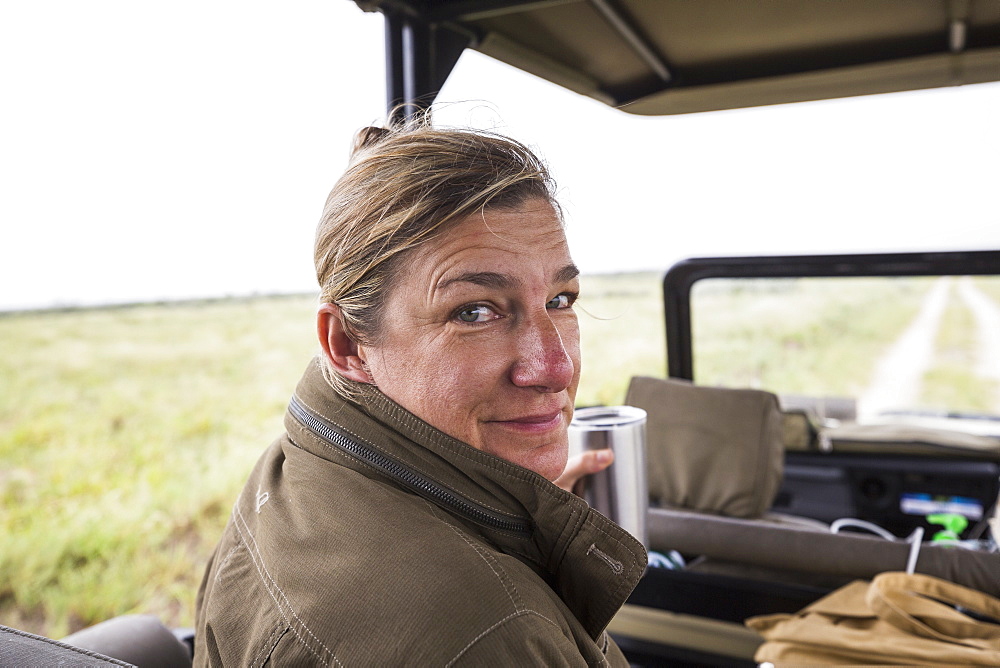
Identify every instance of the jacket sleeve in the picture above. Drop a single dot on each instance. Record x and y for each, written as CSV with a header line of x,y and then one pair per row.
x,y
522,640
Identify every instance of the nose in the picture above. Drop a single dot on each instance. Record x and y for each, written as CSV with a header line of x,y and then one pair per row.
x,y
543,361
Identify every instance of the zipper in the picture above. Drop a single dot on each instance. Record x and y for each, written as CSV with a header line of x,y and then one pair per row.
x,y
405,476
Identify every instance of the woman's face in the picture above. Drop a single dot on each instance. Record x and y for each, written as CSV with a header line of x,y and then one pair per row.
x,y
480,338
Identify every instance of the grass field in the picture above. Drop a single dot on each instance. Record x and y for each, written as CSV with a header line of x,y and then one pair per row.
x,y
126,433
798,336
622,334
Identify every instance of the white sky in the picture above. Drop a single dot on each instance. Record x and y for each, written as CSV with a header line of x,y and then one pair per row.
x,y
168,150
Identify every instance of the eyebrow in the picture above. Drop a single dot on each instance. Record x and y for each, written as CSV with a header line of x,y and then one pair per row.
x,y
498,281
567,273
487,279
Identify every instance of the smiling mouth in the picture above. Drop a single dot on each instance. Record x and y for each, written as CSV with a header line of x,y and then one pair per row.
x,y
532,423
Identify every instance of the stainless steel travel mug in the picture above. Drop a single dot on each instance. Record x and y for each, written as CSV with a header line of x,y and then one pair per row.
x,y
620,491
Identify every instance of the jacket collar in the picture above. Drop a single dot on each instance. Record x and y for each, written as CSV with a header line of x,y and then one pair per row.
x,y
589,561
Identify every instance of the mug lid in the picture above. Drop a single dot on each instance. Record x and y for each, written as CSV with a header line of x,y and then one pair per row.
x,y
603,417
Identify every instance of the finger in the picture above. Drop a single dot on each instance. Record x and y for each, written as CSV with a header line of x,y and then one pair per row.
x,y
593,461
584,464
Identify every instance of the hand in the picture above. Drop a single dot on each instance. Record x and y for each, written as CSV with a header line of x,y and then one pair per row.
x,y
583,464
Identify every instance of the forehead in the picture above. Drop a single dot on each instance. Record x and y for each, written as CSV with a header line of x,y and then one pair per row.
x,y
520,240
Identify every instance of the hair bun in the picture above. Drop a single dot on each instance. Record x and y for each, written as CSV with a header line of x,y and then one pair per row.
x,y
368,137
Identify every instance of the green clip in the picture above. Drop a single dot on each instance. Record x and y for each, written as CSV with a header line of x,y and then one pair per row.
x,y
952,524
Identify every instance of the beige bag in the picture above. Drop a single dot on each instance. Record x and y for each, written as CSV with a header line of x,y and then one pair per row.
x,y
897,619
711,449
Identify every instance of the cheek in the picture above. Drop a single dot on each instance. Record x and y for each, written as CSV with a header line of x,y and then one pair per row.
x,y
459,382
444,386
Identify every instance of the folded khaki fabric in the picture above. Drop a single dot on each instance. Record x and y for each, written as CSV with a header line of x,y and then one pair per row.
x,y
897,619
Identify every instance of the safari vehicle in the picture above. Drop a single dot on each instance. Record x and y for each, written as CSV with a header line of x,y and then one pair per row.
x,y
839,453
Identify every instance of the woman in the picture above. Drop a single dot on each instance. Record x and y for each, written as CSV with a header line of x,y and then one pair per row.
x,y
407,516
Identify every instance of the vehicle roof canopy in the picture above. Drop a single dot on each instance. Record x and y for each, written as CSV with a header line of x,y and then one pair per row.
x,y
655,57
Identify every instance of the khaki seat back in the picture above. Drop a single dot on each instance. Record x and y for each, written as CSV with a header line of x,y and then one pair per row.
x,y
709,449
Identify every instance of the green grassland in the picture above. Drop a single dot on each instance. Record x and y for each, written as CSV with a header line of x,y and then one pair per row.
x,y
126,433
621,334
124,436
798,336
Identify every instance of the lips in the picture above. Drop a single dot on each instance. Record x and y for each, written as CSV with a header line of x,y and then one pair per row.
x,y
534,423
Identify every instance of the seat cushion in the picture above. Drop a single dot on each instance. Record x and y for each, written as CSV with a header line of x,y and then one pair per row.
x,y
710,449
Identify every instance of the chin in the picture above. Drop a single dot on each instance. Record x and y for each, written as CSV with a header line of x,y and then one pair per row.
x,y
548,464
545,457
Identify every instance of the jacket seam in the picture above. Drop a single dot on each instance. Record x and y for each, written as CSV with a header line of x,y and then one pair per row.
x,y
498,624
229,555
577,518
265,577
498,571
268,646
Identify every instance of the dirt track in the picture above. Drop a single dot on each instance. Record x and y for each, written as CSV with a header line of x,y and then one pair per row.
x,y
898,376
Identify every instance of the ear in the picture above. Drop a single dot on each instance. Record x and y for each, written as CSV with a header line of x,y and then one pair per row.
x,y
342,351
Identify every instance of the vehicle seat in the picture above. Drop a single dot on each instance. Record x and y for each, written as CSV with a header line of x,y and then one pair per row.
x,y
141,640
20,648
709,449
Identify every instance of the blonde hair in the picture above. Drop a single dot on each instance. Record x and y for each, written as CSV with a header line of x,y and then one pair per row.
x,y
404,186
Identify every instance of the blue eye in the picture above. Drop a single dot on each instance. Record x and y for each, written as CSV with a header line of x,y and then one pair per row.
x,y
564,300
477,313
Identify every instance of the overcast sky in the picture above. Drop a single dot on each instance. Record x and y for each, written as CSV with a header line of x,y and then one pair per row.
x,y
167,150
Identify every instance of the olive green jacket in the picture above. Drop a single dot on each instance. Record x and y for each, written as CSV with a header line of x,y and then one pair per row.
x,y
365,537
